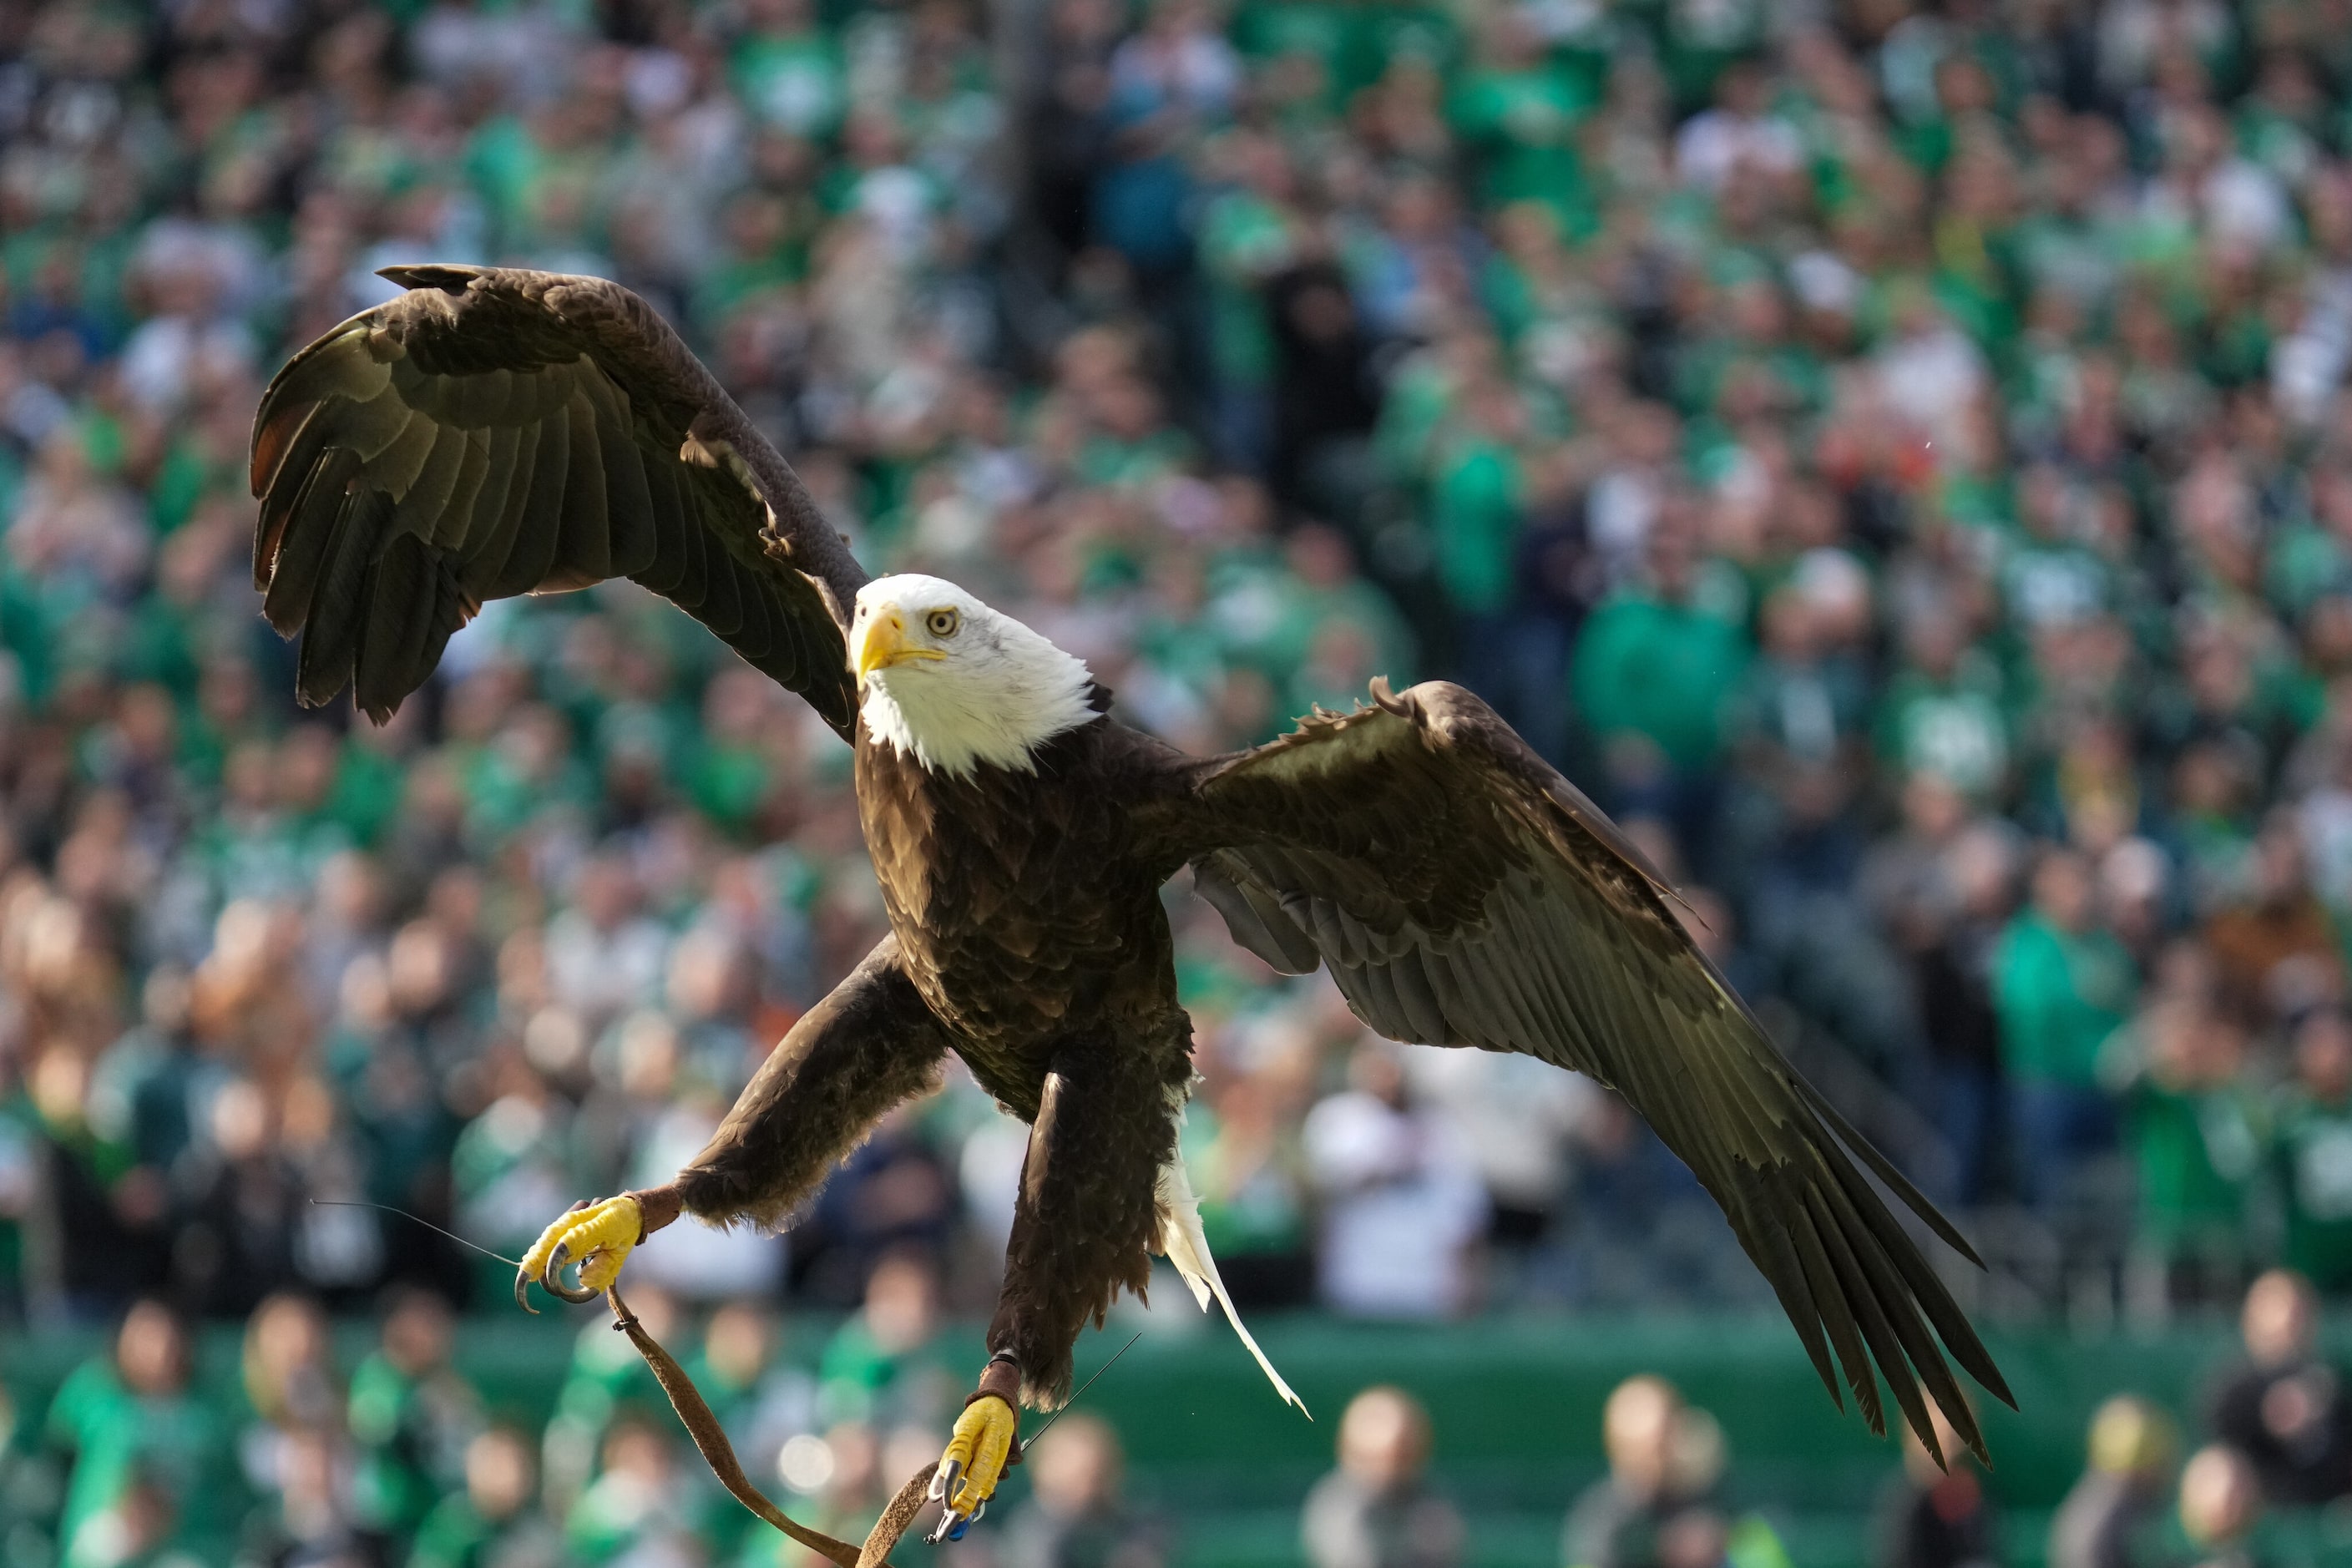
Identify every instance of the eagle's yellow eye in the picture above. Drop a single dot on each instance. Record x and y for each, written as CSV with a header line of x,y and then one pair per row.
x,y
942,623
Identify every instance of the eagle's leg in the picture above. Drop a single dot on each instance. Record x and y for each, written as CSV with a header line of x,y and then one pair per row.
x,y
868,1045
1082,1229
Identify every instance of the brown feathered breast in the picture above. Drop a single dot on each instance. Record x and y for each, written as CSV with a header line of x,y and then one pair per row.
x,y
1026,908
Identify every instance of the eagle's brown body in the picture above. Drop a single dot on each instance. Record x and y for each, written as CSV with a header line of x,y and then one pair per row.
x,y
493,432
1027,915
1027,905
1028,937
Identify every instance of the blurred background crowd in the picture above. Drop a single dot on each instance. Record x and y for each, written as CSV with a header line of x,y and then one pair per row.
x,y
1894,455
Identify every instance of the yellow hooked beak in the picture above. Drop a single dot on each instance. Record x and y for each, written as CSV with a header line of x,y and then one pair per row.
x,y
881,642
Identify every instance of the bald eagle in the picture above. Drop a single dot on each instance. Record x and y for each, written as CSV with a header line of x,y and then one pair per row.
x,y
493,431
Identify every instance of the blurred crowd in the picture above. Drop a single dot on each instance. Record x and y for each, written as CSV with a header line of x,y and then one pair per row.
x,y
2273,1426
401,1461
1894,455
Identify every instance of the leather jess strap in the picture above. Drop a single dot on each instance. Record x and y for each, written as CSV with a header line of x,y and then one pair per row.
x,y
708,1436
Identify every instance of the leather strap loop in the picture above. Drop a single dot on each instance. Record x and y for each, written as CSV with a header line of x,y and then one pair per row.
x,y
708,1436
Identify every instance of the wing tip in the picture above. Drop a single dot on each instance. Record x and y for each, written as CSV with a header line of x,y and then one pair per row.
x,y
448,277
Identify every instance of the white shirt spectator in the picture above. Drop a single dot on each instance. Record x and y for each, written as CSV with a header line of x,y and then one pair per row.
x,y
168,356
2243,203
1183,66
1513,1114
599,971
1717,141
1930,376
1402,1206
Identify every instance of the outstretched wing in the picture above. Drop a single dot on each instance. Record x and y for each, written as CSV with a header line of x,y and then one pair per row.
x,y
1464,893
493,431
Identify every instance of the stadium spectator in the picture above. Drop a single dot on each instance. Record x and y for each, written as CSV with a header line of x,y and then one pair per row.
x,y
2221,1502
2101,1524
2061,982
1378,1509
2284,1407
885,1366
1076,1517
2194,1127
607,1382
308,1514
2312,1140
1403,1207
291,1382
760,1400
642,1506
145,1456
411,1414
1624,1520
1937,1515
494,1520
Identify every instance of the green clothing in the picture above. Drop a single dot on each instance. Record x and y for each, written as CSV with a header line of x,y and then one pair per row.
x,y
2311,1149
1474,515
858,1380
1412,416
456,1535
730,283
729,782
504,165
115,1435
1644,666
1108,461
366,796
606,1375
1259,1211
411,1435
2306,563
794,81
2058,996
2197,1153
1521,125
1355,44
1245,239
1955,728
2048,584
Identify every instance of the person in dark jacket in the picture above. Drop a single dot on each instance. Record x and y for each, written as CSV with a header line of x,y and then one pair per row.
x,y
1325,395
1933,1517
2282,1406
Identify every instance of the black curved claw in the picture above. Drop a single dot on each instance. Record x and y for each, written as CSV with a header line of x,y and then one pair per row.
x,y
552,1277
522,1293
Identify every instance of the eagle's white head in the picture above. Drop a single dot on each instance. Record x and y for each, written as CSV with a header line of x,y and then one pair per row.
x,y
954,683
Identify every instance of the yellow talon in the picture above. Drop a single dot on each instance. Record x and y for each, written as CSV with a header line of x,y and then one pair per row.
x,y
975,1460
601,1234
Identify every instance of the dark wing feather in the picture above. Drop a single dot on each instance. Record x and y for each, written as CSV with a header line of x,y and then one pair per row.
x,y
1463,894
495,432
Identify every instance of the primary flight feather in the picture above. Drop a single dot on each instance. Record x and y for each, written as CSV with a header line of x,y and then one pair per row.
x,y
493,431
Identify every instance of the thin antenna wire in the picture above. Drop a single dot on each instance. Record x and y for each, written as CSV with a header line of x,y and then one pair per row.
x,y
1082,1390
352,1203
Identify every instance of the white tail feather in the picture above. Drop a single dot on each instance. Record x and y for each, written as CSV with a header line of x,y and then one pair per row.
x,y
1185,1246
